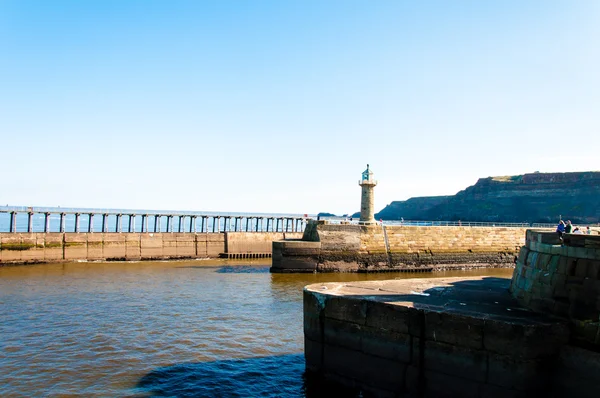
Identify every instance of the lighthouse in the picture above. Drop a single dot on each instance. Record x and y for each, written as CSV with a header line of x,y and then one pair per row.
x,y
367,199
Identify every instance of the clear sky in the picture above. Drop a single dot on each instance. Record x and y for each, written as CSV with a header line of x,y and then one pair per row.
x,y
277,106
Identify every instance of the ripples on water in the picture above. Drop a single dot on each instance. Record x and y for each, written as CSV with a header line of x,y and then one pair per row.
x,y
197,328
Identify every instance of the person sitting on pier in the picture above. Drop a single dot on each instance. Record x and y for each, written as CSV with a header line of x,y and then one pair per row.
x,y
560,229
568,227
577,231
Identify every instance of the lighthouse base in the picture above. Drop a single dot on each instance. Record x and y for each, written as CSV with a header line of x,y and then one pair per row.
x,y
371,222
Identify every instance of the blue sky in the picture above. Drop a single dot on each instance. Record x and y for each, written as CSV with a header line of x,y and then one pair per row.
x,y
277,106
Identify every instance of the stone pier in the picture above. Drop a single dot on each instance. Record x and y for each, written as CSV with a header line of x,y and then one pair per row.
x,y
450,337
328,247
23,248
466,337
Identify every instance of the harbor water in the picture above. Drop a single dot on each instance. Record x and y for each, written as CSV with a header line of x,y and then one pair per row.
x,y
208,328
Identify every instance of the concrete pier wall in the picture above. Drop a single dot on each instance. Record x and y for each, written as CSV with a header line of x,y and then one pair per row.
x,y
535,335
374,248
57,247
562,278
441,337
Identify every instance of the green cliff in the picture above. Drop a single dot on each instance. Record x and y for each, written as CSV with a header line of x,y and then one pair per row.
x,y
536,197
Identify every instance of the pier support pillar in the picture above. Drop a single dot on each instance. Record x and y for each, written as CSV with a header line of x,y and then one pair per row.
x,y
30,222
62,222
13,222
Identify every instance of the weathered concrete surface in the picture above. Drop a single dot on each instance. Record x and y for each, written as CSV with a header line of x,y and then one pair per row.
x,y
364,248
442,337
22,248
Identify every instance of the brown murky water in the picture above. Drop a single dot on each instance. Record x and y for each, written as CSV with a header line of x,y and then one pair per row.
x,y
195,328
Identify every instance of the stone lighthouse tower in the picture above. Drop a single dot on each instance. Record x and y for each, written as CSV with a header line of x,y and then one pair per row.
x,y
367,199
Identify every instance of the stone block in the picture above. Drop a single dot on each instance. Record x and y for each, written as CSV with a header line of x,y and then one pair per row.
x,y
574,283
387,344
531,259
388,316
95,244
313,355
534,376
313,327
169,240
553,265
591,291
562,265
523,253
75,246
346,309
542,261
462,331
441,385
33,246
558,280
464,363
342,333
186,246
53,246
571,266
366,369
132,246
151,245
581,268
593,269
527,341
201,245
215,244
11,247
582,252
313,303
115,246
585,363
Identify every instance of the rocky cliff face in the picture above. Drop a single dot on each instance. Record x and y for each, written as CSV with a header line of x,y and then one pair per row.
x,y
537,197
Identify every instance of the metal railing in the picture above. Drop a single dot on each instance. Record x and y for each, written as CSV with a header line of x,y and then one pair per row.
x,y
420,223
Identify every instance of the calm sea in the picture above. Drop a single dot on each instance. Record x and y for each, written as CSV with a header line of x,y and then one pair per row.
x,y
204,328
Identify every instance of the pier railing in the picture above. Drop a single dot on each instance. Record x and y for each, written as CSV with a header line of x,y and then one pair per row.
x,y
30,220
419,223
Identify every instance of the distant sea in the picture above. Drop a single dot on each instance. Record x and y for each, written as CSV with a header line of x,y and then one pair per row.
x,y
39,218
